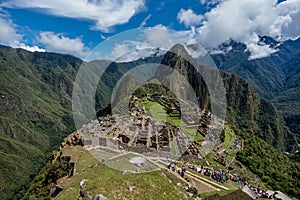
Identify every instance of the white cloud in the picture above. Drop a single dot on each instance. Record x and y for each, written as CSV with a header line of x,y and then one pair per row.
x,y
258,50
149,41
119,50
144,22
105,13
189,18
31,48
202,1
210,2
9,36
158,36
8,33
102,37
62,44
244,20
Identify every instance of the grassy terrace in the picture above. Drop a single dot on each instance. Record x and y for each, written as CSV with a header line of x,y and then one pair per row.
x,y
113,184
158,112
122,163
229,134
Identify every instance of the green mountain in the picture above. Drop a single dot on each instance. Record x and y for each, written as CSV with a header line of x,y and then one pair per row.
x,y
275,77
252,119
245,108
35,106
35,112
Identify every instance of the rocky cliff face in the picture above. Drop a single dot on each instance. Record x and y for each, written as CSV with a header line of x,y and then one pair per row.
x,y
35,105
245,108
255,115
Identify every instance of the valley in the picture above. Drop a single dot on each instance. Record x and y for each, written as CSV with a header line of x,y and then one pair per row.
x,y
157,125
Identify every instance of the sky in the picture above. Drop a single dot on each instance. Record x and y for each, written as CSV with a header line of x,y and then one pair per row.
x,y
78,27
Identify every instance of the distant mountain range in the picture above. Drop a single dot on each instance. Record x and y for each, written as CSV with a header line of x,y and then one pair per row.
x,y
36,93
276,78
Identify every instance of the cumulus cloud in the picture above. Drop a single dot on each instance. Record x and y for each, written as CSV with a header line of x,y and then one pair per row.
x,y
244,20
62,44
148,41
158,36
257,49
8,33
31,48
9,36
105,13
189,18
119,50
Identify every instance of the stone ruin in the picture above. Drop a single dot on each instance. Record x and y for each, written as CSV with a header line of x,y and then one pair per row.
x,y
139,132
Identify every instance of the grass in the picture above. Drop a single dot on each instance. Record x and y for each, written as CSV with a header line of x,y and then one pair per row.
x,y
221,193
193,133
111,183
100,154
174,148
122,163
158,112
229,134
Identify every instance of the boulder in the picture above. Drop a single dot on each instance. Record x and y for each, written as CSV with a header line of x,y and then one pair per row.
x,y
100,197
55,191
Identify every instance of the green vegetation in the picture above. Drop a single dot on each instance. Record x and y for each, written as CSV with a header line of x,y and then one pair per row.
x,y
227,195
35,107
288,105
35,94
122,163
157,111
221,193
104,180
255,115
276,78
229,134
18,162
274,168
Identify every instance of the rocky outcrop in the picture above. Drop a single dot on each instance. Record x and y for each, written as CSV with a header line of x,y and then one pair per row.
x,y
245,108
55,191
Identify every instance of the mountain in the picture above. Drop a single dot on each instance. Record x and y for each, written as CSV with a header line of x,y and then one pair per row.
x,y
36,92
268,75
245,108
275,77
35,112
35,106
250,118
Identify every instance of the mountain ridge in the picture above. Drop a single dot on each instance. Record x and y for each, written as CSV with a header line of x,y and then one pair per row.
x,y
36,108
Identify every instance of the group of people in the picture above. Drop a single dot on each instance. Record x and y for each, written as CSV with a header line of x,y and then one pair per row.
x,y
174,168
219,176
262,193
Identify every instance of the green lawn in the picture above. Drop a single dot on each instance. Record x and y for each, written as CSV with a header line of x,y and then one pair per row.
x,y
229,134
111,183
122,163
158,112
100,154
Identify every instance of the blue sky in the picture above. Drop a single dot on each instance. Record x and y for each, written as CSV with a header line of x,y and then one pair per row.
x,y
77,26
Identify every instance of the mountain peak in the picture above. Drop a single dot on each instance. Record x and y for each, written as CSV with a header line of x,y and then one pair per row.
x,y
179,49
